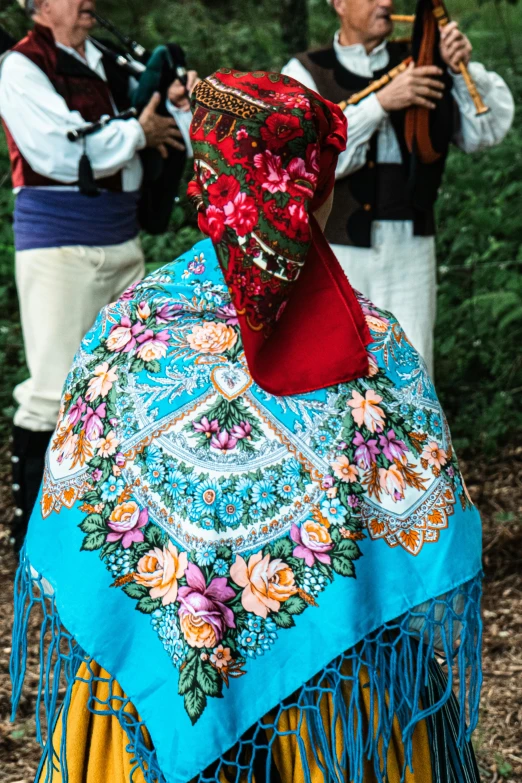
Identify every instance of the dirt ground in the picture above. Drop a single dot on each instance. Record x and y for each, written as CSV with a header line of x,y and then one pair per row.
x,y
497,489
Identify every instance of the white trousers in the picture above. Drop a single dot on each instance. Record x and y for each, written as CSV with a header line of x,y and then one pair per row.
x,y
61,291
398,273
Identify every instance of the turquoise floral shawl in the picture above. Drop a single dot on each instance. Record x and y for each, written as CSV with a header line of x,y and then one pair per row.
x,y
222,552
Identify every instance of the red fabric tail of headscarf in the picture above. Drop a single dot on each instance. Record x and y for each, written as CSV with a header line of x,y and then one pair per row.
x,y
321,336
265,153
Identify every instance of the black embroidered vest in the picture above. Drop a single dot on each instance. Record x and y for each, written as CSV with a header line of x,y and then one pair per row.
x,y
382,191
82,90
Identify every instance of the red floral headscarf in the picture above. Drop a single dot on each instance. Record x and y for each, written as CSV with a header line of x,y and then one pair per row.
x,y
265,151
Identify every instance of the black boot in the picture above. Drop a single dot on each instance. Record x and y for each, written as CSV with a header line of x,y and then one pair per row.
x,y
28,461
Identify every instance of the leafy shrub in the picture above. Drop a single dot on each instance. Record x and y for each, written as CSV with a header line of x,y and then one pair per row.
x,y
479,330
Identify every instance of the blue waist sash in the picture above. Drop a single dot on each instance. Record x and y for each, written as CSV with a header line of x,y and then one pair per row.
x,y
47,217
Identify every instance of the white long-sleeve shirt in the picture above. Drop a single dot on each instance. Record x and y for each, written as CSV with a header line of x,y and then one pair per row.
x,y
398,271
39,118
368,116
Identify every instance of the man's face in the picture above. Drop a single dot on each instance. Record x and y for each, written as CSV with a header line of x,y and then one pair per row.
x,y
69,14
370,18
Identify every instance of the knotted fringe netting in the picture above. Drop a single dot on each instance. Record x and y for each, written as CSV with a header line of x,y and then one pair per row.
x,y
327,719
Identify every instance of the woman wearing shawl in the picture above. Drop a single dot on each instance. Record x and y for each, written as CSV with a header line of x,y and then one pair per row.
x,y
253,537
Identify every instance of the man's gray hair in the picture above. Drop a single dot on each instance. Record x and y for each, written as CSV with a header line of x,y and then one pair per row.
x,y
29,6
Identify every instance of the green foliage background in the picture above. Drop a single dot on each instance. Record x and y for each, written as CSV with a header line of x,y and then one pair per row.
x,y
479,330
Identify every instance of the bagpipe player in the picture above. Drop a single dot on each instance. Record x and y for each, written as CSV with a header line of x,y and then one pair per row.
x,y
382,224
74,253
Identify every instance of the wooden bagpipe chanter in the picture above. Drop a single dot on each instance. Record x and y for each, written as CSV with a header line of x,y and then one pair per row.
x,y
430,17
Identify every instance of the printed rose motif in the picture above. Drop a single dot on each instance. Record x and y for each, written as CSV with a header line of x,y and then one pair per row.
x,y
212,223
76,411
298,217
241,214
225,189
392,482
168,312
365,410
122,337
344,470
92,422
153,346
366,452
392,448
160,570
299,101
434,455
126,522
270,172
221,657
267,583
228,314
313,542
203,615
101,384
280,128
107,446
303,181
212,337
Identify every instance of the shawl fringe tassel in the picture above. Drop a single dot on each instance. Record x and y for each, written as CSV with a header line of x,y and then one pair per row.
x,y
396,658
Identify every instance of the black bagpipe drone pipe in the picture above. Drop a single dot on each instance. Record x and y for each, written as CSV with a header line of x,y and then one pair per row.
x,y
149,72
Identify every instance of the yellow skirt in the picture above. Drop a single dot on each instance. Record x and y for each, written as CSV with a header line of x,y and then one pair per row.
x,y
96,745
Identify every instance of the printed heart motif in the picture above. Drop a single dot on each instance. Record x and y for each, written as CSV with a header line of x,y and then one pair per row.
x,y
230,381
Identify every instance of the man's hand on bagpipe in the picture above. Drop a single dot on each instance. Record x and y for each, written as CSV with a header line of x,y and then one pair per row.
x,y
455,47
160,132
179,91
432,30
161,77
413,87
